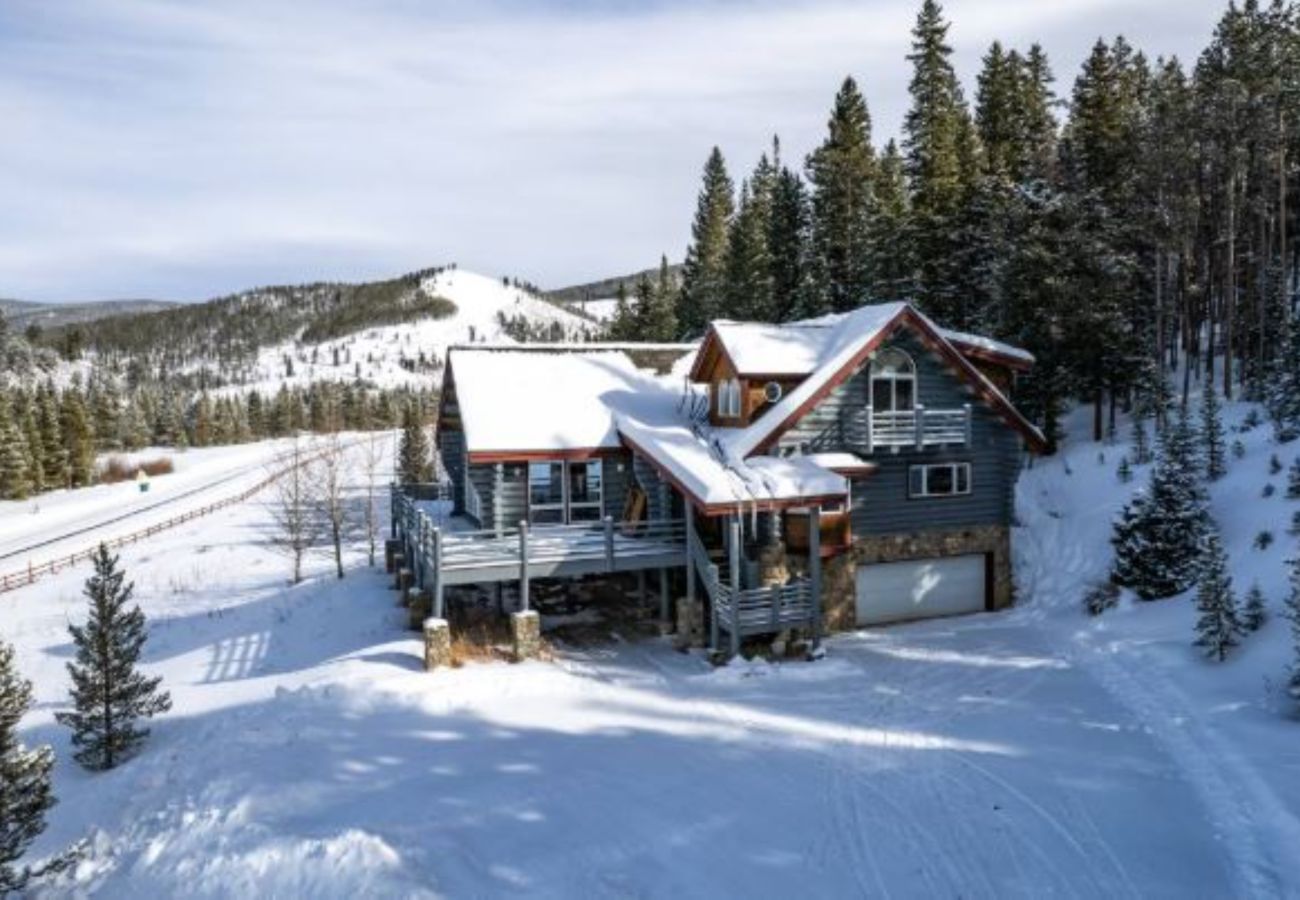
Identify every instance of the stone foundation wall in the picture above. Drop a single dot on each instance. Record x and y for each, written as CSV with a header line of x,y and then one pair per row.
x,y
839,587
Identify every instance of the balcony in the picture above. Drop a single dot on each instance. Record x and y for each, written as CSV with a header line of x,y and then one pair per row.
x,y
915,428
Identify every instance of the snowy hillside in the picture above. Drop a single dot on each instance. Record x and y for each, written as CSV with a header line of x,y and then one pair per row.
x,y
1029,753
462,307
412,353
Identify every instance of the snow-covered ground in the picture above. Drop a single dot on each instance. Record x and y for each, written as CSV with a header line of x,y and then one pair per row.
x,y
1029,753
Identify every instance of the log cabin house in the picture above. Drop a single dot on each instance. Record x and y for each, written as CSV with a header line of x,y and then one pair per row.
x,y
852,470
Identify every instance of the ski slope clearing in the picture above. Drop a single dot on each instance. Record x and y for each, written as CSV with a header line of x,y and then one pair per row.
x,y
411,354
1022,754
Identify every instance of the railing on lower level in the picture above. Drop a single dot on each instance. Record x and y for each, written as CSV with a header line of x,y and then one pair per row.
x,y
918,428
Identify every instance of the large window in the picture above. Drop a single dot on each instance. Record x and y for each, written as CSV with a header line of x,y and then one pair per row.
x,y
939,480
546,493
560,492
728,398
585,492
893,382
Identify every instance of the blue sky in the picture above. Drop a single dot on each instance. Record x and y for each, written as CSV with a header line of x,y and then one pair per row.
x,y
181,149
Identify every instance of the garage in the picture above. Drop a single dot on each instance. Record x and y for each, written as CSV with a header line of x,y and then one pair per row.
x,y
921,589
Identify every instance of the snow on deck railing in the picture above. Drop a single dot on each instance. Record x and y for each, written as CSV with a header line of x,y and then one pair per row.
x,y
919,428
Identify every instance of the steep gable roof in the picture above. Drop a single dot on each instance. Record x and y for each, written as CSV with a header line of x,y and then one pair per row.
x,y
855,337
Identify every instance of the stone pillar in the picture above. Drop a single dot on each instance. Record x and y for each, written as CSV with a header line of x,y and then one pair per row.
x,y
526,634
420,606
392,550
437,644
690,622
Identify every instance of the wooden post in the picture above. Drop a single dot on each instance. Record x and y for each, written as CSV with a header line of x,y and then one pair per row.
x,y
969,425
815,571
392,510
919,426
642,594
690,560
871,429
423,546
438,611
664,604
734,550
523,566
609,543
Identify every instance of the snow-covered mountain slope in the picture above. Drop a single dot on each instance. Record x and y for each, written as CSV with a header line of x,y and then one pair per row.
x,y
311,338
488,310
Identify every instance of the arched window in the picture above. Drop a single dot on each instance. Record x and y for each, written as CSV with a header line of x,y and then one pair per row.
x,y
893,381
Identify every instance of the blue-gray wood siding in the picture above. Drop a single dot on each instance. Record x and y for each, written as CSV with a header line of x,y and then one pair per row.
x,y
451,447
503,490
658,492
880,502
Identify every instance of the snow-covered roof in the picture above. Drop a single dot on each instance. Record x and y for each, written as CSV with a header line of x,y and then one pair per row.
x,y
657,425
801,347
526,400
757,348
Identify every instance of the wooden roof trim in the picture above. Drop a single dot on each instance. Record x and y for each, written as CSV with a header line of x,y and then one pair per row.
x,y
984,354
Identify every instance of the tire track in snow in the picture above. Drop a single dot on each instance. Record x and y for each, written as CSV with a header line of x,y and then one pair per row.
x,y
1235,800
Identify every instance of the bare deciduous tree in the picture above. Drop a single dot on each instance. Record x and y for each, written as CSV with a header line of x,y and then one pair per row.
x,y
296,524
330,503
372,456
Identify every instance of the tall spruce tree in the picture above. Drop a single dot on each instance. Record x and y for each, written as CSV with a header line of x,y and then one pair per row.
x,y
938,144
841,173
788,244
1219,624
1293,614
109,695
704,271
749,294
1161,534
25,790
893,267
1213,440
413,463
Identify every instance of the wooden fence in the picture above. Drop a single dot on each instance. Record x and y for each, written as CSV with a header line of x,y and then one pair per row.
x,y
14,580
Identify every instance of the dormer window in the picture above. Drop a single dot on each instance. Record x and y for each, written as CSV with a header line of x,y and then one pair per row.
x,y
893,381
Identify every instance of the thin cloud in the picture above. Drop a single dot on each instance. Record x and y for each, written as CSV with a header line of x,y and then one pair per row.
x,y
180,150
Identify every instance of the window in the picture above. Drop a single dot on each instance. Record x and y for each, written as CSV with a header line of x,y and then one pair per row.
x,y
772,392
585,493
728,393
546,493
893,381
939,480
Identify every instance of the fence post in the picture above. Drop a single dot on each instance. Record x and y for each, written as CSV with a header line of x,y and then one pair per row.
x,y
815,571
690,551
523,565
969,428
609,543
919,426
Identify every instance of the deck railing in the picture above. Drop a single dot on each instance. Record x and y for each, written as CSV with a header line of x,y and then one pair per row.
x,y
918,428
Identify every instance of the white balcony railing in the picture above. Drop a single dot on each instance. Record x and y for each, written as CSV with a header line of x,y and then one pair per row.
x,y
918,428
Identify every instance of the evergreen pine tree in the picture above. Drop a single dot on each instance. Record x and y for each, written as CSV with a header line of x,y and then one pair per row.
x,y
1293,480
1125,471
1160,535
14,481
1255,611
842,172
938,143
109,695
1218,626
622,326
788,244
892,263
78,441
1293,613
1141,441
25,791
704,272
413,464
1213,440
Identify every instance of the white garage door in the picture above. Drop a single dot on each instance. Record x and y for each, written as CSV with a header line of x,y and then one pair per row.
x,y
920,588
